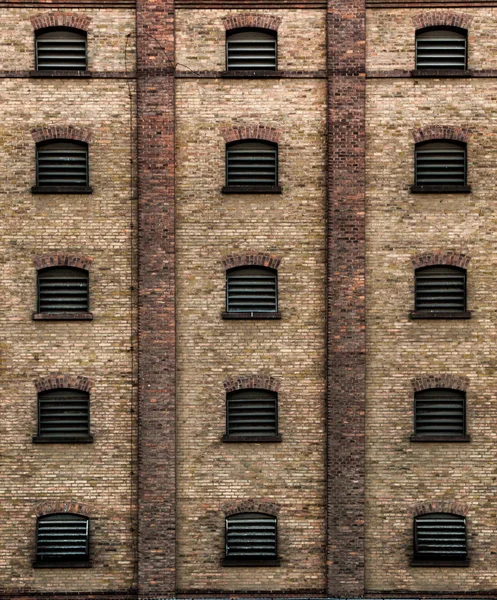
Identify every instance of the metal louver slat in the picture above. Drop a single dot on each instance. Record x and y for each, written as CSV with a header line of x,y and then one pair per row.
x,y
63,290
251,290
441,49
440,412
251,51
252,413
440,537
63,413
61,538
251,536
440,289
61,50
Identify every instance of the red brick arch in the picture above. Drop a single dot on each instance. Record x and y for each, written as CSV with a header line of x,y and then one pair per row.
x,y
442,18
259,259
440,506
59,259
438,257
57,381
61,19
64,132
258,506
242,20
251,132
445,380
51,507
244,382
441,132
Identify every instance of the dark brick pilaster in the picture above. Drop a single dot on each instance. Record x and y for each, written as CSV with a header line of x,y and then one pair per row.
x,y
155,105
346,296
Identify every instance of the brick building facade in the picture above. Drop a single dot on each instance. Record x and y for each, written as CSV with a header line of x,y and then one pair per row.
x,y
123,362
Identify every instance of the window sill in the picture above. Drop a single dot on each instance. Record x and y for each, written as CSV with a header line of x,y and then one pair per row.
x,y
441,73
251,74
61,189
251,189
250,315
261,439
415,562
440,189
80,564
263,562
56,73
432,314
441,438
46,439
62,316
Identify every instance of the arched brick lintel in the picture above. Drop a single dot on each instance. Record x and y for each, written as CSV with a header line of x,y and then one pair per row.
x,y
445,380
242,20
259,259
431,259
441,18
51,507
261,382
58,259
251,132
59,381
61,19
441,132
61,132
441,506
257,506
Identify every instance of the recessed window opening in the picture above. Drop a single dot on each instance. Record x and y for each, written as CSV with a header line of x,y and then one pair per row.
x,y
63,290
62,538
440,289
251,50
251,413
62,163
440,163
440,537
251,163
251,289
251,537
441,48
61,49
63,413
440,412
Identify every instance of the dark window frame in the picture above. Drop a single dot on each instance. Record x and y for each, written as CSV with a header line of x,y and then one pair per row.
x,y
66,315
62,562
439,187
250,314
77,35
244,561
252,188
256,72
247,437
423,559
423,396
441,71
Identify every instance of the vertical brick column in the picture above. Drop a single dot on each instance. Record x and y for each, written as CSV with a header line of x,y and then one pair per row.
x,y
156,461
346,296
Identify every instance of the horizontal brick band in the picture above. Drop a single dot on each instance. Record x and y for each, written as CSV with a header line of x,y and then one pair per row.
x,y
59,381
62,506
251,259
251,20
430,259
67,132
251,132
441,132
442,18
80,261
441,506
258,506
446,380
261,382
61,19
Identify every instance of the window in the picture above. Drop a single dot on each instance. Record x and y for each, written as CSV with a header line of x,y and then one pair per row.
x,y
251,50
440,166
251,167
62,291
63,416
440,292
252,416
441,49
440,415
61,50
251,540
62,166
251,292
62,540
440,538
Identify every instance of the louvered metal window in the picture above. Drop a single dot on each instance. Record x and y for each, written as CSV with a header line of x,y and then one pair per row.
x,y
63,413
63,290
441,49
62,538
440,536
61,164
251,536
251,289
251,50
439,412
61,49
252,413
251,163
440,289
440,163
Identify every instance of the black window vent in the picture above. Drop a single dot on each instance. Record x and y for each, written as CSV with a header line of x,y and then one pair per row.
x,y
63,414
251,536
252,50
251,289
252,413
62,164
62,538
63,290
440,163
440,289
61,49
441,49
439,412
251,163
440,536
